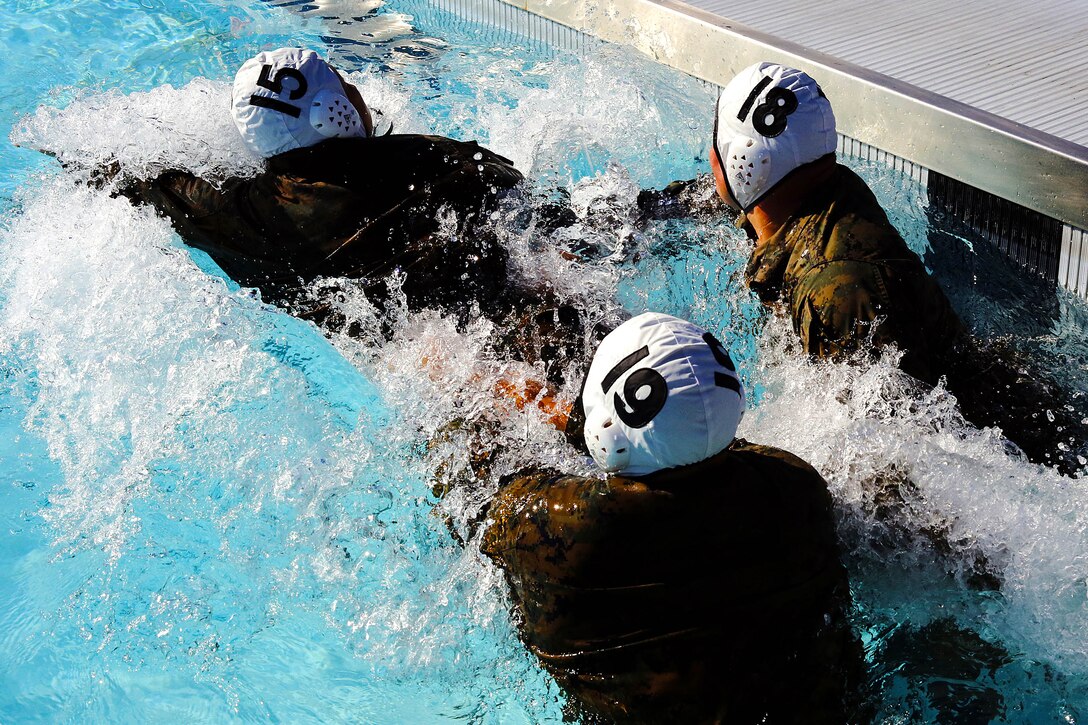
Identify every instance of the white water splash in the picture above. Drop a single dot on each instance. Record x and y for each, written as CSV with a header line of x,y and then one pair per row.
x,y
145,133
866,425
230,469
187,129
131,343
589,116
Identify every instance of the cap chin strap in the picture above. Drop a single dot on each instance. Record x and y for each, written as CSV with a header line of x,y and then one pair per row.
x,y
333,116
382,125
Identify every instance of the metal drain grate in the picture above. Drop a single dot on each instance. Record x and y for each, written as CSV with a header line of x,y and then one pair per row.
x,y
1031,239
512,26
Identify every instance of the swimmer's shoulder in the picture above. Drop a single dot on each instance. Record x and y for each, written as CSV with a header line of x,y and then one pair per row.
x,y
764,456
553,499
541,508
857,227
385,153
769,476
388,169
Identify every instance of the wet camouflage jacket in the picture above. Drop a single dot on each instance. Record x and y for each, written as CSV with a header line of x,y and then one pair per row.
x,y
356,208
845,274
838,264
708,591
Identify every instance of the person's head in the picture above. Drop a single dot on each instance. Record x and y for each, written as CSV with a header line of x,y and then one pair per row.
x,y
290,98
771,120
660,393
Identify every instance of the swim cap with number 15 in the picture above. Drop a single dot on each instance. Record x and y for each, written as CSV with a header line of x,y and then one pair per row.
x,y
289,99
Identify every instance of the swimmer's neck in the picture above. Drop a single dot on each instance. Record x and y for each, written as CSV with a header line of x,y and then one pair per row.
x,y
776,208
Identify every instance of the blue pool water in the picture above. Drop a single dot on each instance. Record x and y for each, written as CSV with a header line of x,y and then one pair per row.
x,y
210,513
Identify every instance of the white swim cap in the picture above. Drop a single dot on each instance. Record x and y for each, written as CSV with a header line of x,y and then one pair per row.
x,y
660,392
289,99
770,120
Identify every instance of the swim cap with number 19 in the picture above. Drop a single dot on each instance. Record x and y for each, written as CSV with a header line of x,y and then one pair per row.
x,y
660,392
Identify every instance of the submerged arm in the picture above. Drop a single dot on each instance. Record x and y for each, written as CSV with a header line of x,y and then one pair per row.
x,y
681,199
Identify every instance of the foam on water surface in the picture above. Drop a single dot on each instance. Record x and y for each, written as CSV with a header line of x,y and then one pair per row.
x,y
211,500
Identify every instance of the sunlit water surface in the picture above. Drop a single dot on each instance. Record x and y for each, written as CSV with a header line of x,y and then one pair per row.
x,y
210,512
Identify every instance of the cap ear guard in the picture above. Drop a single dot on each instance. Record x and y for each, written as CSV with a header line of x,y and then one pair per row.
x,y
607,443
383,126
333,116
747,169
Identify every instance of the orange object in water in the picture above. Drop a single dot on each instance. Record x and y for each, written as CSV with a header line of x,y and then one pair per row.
x,y
533,391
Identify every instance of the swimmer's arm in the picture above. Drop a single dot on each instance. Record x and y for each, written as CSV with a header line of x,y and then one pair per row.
x,y
137,190
567,417
681,199
97,178
525,393
175,193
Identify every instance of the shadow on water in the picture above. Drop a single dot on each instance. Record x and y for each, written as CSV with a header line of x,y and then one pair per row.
x,y
1018,309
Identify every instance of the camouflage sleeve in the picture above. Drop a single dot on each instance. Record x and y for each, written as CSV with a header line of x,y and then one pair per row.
x,y
475,175
836,308
177,194
241,223
526,515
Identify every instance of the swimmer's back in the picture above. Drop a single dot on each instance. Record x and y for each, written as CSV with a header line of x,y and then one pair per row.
x,y
677,594
849,279
343,207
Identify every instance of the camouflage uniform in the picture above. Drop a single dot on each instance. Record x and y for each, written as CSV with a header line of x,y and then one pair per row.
x,y
847,277
356,208
710,592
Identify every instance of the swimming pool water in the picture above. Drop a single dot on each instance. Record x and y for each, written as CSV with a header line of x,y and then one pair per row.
x,y
211,513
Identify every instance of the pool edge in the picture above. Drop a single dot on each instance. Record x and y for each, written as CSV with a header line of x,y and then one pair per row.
x,y
1038,171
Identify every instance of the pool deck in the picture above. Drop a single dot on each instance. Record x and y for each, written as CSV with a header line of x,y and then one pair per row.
x,y
1024,62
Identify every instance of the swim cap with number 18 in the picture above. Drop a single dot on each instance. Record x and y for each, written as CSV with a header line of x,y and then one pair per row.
x,y
770,120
